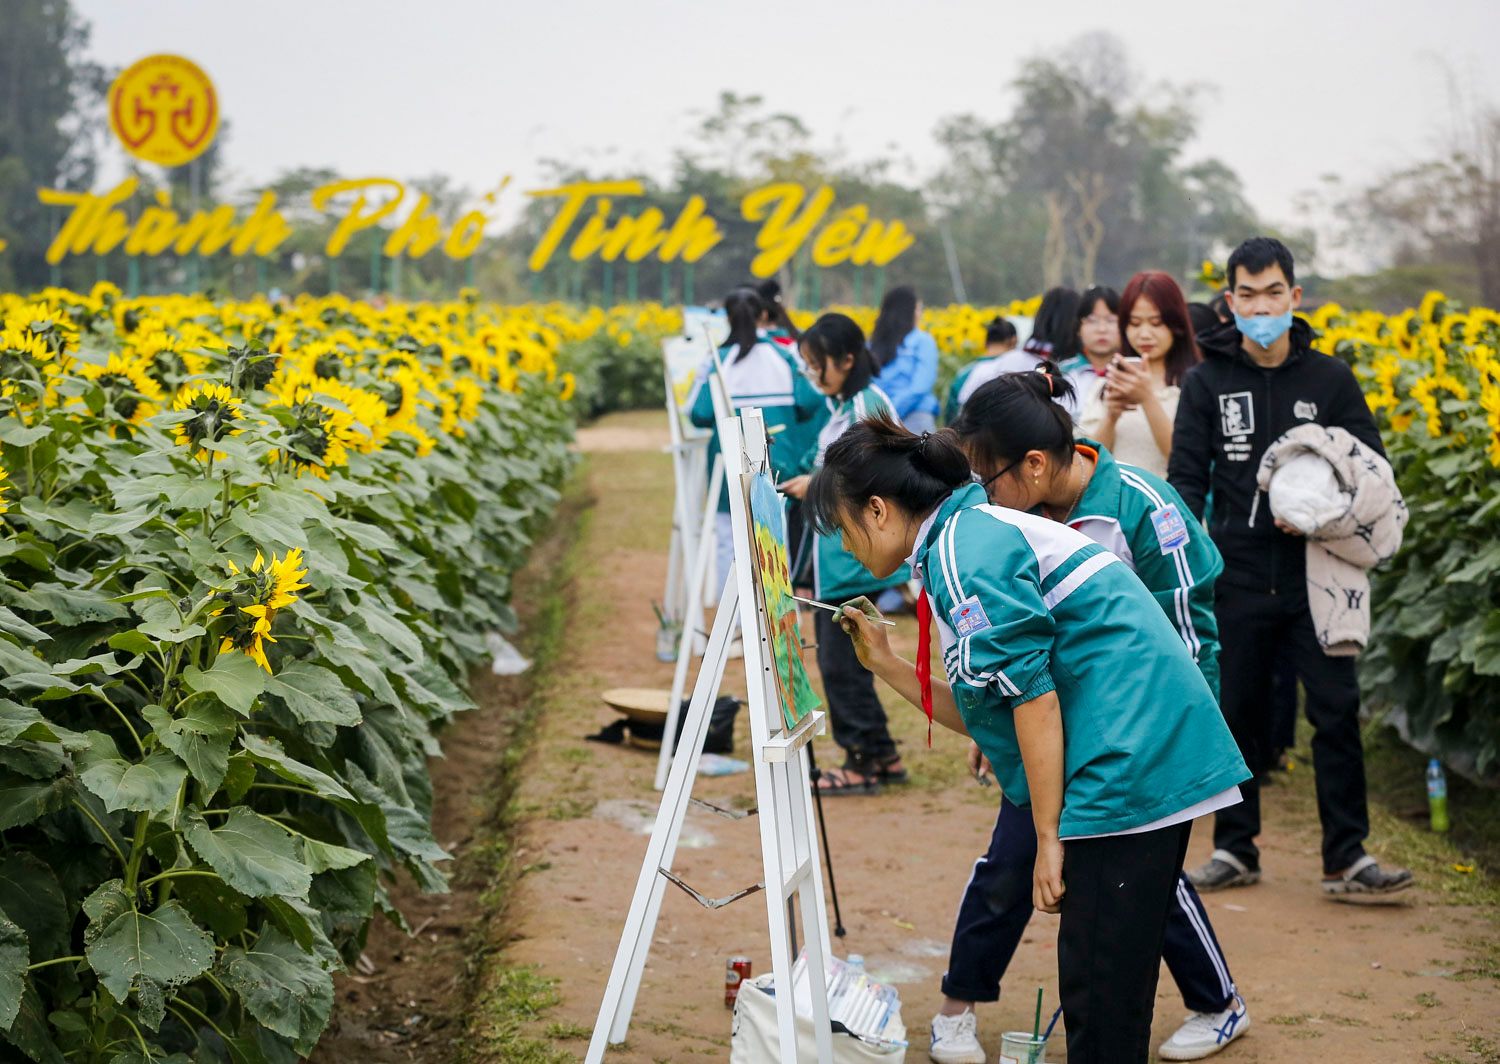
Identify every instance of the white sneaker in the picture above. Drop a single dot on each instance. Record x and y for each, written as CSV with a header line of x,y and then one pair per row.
x,y
955,1039
1205,1033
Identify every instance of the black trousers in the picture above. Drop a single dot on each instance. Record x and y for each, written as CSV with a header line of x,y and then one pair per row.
x,y
1119,889
855,713
996,907
1258,630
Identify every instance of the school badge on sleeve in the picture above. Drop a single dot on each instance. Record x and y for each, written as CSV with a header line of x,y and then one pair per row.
x,y
968,617
1171,529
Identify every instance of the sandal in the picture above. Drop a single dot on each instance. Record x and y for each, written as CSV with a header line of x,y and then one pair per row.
x,y
886,774
835,782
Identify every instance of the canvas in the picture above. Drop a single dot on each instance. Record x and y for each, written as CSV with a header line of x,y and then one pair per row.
x,y
768,526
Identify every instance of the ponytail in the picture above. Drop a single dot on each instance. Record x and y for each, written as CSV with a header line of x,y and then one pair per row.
x,y
1017,413
743,307
879,457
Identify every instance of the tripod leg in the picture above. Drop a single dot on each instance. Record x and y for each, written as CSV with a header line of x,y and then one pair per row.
x,y
814,774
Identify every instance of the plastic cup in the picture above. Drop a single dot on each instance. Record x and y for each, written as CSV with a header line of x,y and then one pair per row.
x,y
1022,1047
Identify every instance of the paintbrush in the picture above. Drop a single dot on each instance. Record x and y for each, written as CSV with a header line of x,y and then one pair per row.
x,y
838,611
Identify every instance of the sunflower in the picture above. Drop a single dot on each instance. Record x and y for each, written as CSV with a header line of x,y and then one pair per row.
x,y
215,414
257,594
321,435
3,477
128,390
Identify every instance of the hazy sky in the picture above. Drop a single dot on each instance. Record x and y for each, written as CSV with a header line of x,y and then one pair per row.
x,y
477,89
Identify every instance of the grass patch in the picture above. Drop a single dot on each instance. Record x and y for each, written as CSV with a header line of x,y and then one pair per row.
x,y
507,1001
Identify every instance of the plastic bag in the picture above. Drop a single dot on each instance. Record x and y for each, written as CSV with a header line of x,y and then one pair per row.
x,y
507,659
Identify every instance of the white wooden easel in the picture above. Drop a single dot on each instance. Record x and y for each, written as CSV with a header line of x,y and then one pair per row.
x,y
788,840
698,567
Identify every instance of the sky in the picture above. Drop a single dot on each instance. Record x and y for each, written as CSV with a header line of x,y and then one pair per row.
x,y
1291,90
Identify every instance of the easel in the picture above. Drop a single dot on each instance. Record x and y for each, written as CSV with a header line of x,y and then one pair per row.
x,y
789,848
682,357
699,557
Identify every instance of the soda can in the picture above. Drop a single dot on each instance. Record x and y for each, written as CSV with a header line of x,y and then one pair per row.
x,y
736,971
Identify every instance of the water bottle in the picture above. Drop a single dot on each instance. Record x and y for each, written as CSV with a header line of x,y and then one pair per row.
x,y
1437,796
856,963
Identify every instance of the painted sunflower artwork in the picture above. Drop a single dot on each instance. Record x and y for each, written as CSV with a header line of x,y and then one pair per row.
x,y
768,528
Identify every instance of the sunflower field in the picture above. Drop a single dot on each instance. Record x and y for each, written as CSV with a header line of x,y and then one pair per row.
x,y
248,553
1431,374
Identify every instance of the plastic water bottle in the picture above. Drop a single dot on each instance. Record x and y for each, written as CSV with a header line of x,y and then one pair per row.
x,y
856,961
1437,796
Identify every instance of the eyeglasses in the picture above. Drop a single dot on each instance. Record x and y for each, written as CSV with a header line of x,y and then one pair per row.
x,y
985,484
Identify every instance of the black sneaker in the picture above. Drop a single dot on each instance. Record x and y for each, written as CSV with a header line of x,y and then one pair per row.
x,y
1223,870
1365,879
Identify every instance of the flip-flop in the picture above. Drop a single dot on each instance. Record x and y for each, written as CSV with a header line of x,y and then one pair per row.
x,y
839,782
884,774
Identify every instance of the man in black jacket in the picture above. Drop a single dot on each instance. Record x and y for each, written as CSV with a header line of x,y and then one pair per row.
x,y
1259,378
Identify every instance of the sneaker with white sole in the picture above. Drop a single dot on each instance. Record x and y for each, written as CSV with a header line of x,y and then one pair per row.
x,y
1205,1033
955,1039
1221,871
1365,880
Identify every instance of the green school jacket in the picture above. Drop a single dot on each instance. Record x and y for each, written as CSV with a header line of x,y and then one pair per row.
x,y
837,574
1141,519
951,405
1025,605
765,378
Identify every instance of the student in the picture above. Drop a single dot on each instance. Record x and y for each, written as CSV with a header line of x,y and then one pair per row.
x,y
774,320
906,359
1000,356
1261,378
1098,342
1132,414
1077,689
841,366
1020,441
1054,332
757,373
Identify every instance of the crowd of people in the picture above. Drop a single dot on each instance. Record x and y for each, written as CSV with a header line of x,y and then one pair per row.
x,y
1122,618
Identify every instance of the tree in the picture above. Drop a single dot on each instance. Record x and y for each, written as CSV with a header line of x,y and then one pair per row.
x,y
51,102
1085,179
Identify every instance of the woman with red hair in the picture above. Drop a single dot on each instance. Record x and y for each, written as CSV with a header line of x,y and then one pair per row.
x,y
1132,413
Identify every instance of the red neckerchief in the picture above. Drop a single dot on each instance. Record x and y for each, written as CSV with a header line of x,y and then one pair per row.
x,y
924,658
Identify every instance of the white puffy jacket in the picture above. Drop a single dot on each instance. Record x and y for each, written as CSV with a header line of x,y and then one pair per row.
x,y
1343,497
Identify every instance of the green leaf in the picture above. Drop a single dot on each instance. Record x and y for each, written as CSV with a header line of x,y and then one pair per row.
x,y
325,856
170,633
251,854
15,955
201,737
239,776
213,903
234,678
23,800
117,524
284,988
132,642
268,528
268,752
22,722
12,623
31,896
148,786
73,606
314,694
164,946
29,1032
17,434
389,631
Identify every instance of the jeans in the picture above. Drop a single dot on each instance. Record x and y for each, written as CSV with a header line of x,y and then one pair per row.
x,y
1260,629
996,907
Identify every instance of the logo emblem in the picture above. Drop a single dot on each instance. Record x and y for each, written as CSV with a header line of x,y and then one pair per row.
x,y
164,110
1237,413
1303,410
1171,529
968,617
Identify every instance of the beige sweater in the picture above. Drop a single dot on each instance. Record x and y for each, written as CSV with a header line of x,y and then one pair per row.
x,y
1134,444
1360,529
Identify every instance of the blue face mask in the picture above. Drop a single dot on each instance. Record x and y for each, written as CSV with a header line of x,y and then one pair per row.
x,y
1264,329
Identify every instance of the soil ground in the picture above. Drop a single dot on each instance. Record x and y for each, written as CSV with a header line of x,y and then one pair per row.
x,y
511,965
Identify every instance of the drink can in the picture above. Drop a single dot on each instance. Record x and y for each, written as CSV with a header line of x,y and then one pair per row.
x,y
736,971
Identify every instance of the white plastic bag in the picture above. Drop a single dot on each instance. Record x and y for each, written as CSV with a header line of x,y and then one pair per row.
x,y
756,1038
507,659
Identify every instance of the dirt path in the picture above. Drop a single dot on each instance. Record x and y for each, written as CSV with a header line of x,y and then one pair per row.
x,y
1339,983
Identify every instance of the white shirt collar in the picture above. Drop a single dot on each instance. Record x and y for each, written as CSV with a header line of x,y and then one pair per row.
x,y
921,540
